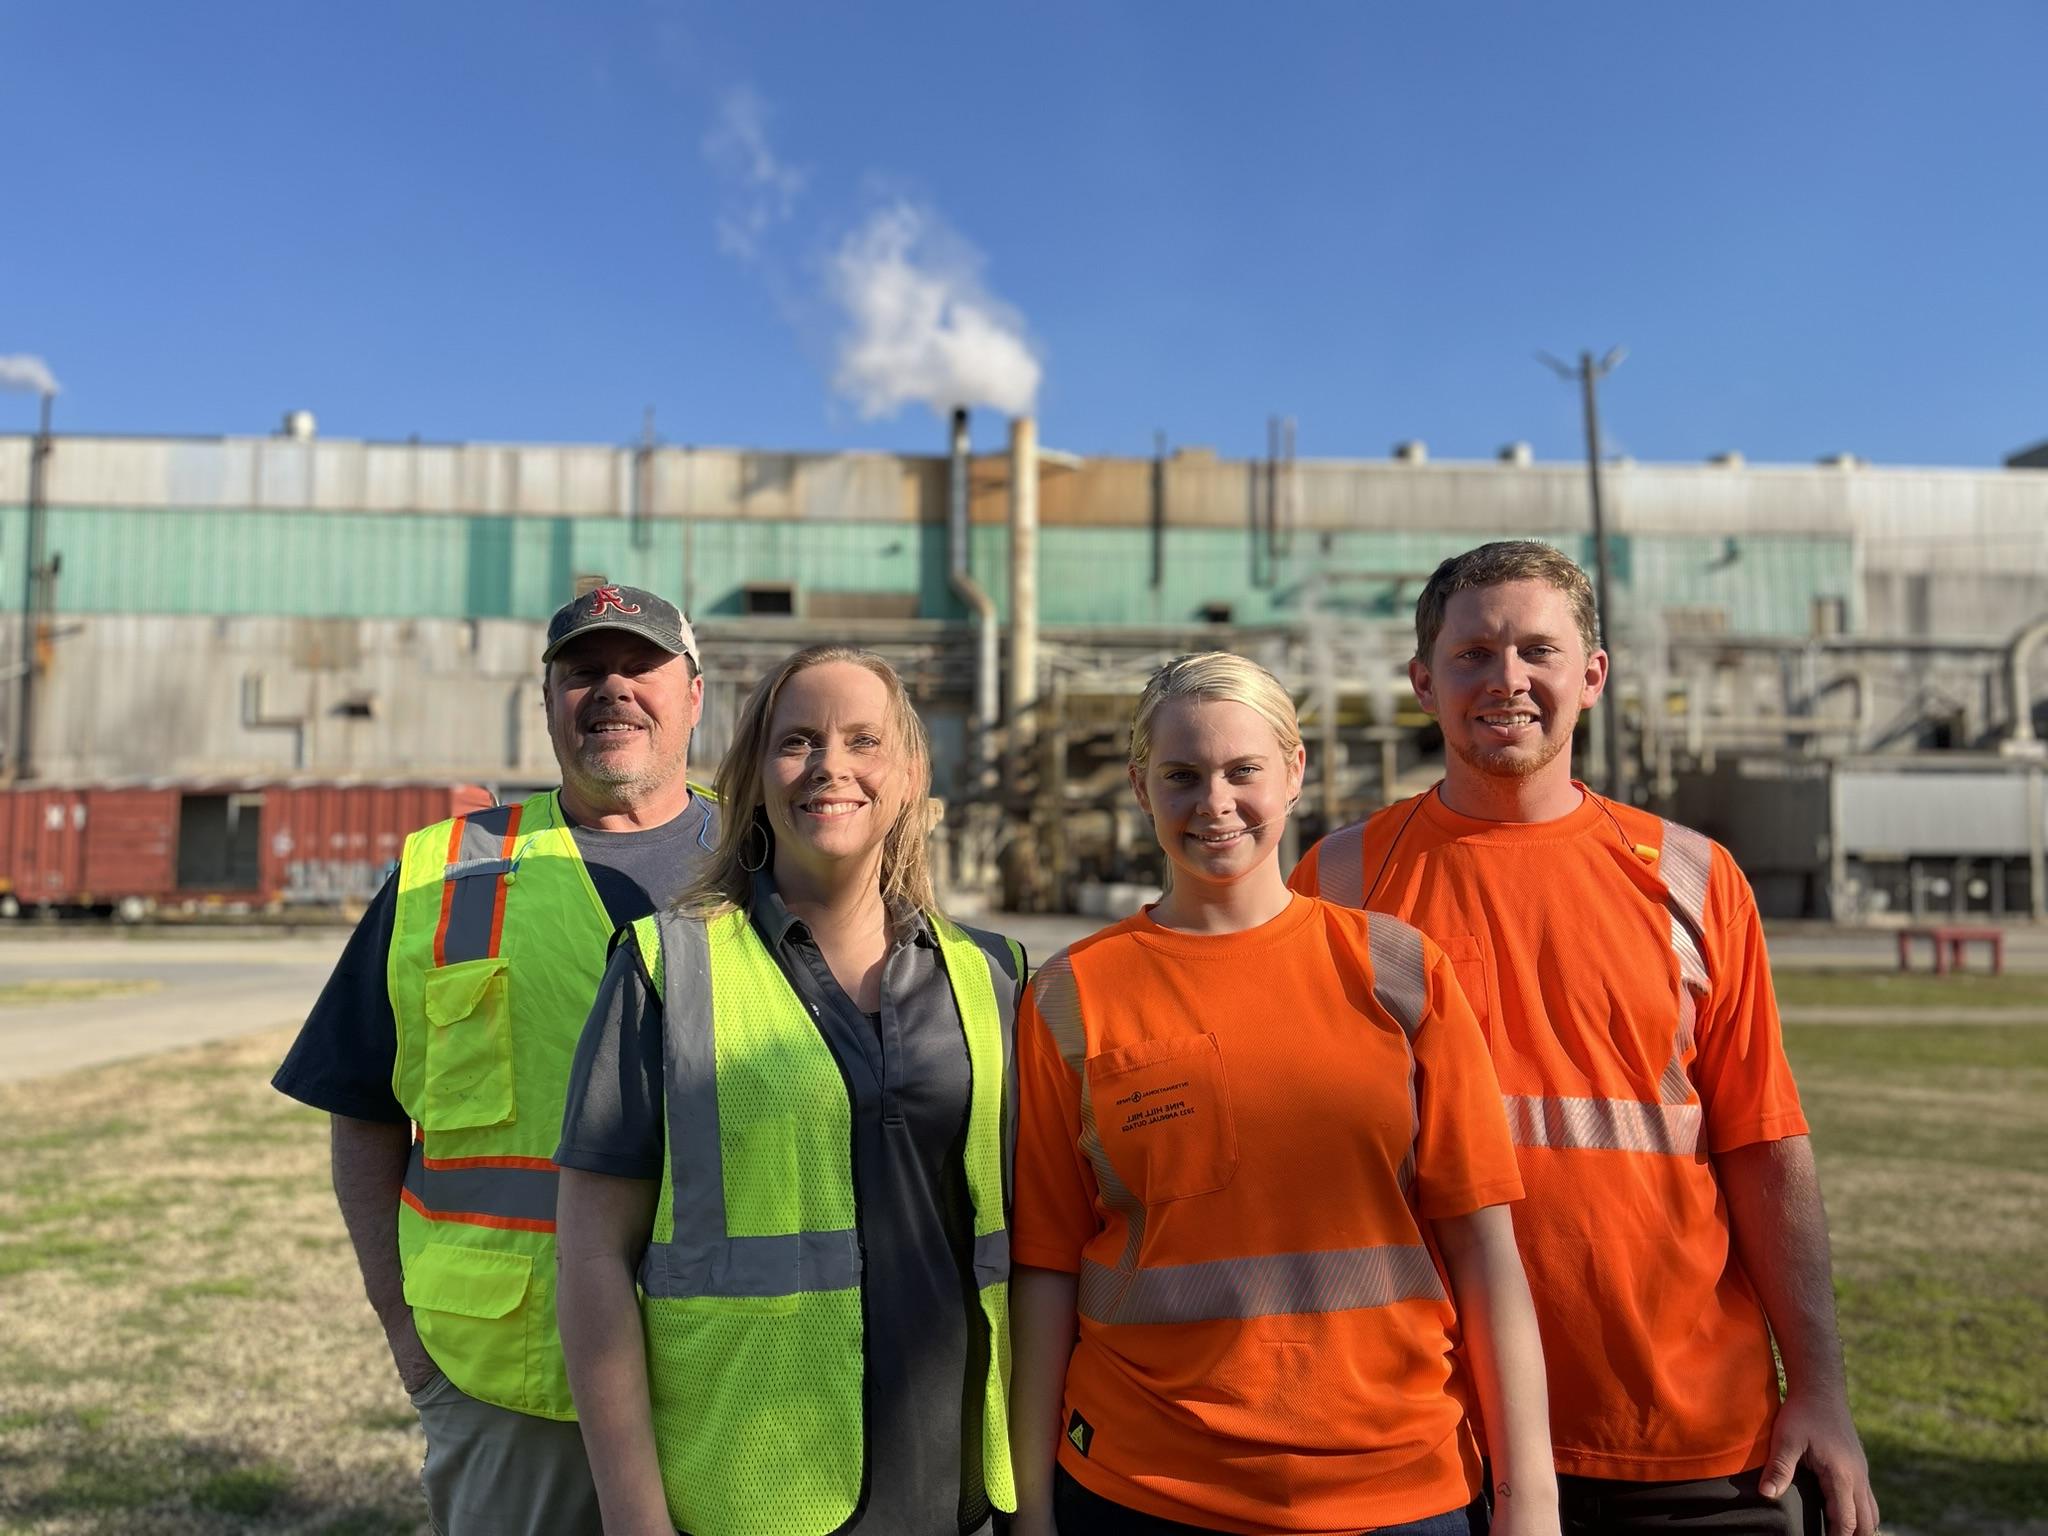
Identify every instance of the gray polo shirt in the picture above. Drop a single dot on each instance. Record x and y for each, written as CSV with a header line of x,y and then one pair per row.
x,y
926,1344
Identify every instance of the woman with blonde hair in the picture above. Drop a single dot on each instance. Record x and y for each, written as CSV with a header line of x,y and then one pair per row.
x,y
786,1123
1248,1117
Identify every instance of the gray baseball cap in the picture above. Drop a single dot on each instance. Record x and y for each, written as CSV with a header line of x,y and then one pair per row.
x,y
632,609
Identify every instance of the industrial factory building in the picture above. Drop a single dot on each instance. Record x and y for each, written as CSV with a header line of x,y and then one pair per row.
x,y
1827,665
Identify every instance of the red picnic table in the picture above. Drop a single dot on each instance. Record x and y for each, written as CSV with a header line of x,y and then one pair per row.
x,y
1950,943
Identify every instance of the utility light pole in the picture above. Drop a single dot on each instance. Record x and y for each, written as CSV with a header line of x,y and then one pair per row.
x,y
1588,374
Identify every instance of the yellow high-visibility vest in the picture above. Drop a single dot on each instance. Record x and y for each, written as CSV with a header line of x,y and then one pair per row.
x,y
498,945
751,1283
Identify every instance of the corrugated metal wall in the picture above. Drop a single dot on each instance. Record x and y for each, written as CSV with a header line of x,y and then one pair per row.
x,y
336,528
412,565
1928,813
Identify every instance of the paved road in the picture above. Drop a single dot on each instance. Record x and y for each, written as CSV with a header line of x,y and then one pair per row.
x,y
212,984
201,987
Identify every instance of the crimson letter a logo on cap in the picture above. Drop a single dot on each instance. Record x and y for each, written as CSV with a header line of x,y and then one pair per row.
x,y
608,597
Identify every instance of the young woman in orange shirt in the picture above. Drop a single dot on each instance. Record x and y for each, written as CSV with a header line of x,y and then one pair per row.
x,y
1261,1185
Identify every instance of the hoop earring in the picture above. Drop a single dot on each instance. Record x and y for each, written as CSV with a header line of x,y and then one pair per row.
x,y
745,842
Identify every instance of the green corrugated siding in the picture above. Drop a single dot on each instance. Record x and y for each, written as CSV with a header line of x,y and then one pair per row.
x,y
1766,585
397,565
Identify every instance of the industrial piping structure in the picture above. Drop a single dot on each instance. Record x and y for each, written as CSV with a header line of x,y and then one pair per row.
x,y
979,604
2021,740
1023,712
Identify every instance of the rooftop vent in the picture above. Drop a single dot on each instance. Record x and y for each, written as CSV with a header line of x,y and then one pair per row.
x,y
1413,451
1516,453
1732,459
299,426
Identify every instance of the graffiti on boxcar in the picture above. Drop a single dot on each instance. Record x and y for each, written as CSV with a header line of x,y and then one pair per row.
x,y
333,880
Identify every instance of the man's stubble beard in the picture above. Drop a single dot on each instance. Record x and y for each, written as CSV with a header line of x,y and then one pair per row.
x,y
1508,763
621,785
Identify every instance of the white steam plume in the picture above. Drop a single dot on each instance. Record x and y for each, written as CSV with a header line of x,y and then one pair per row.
x,y
764,189
21,370
921,327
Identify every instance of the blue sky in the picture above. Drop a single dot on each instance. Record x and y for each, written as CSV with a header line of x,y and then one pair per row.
x,y
1816,228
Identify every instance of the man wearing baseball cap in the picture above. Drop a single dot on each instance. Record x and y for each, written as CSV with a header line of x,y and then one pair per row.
x,y
442,1044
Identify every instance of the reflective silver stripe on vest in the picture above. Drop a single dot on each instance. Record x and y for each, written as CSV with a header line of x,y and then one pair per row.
x,y
991,1257
473,877
1267,1285
1671,1126
1400,984
514,1194
1340,866
782,1265
700,1259
1273,1285
1686,864
1602,1125
1059,1004
1400,979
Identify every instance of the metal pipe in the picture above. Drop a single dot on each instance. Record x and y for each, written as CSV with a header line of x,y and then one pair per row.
x,y
254,719
981,605
2022,738
1773,644
32,593
1023,732
2037,855
1158,510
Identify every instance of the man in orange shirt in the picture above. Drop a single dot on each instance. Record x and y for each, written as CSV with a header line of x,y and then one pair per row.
x,y
1673,1228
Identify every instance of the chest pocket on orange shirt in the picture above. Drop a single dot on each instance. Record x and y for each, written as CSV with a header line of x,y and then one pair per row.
x,y
1468,959
1162,1108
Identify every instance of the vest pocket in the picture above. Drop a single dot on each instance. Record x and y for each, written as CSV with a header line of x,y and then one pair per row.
x,y
1162,1108
469,1045
469,1305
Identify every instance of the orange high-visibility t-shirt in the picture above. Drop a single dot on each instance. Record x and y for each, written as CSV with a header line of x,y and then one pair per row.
x,y
1618,967
1237,1141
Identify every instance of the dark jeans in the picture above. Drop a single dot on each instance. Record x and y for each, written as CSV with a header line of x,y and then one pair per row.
x,y
1724,1506
1077,1512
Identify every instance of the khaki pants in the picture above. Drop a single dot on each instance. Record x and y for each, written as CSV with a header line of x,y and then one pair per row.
x,y
492,1472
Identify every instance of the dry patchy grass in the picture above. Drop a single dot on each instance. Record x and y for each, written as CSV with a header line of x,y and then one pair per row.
x,y
72,989
187,1348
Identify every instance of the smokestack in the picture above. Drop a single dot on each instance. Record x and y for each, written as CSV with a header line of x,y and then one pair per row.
x,y
1023,733
986,672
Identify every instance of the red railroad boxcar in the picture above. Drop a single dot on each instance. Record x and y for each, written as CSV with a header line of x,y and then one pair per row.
x,y
138,847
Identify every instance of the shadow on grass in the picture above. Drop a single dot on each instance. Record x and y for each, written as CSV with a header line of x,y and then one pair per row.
x,y
127,1484
1938,1492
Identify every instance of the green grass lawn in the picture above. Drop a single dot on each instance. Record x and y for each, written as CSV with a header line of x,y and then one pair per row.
x,y
1911,989
1933,1148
